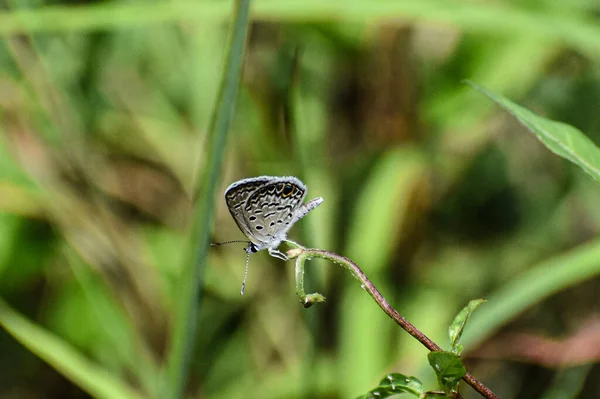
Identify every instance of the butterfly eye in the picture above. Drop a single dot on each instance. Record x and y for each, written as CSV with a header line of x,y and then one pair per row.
x,y
287,190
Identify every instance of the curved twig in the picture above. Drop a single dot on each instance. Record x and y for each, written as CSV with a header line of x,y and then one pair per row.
x,y
302,254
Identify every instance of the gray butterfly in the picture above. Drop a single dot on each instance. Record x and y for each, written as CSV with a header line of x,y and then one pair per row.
x,y
265,208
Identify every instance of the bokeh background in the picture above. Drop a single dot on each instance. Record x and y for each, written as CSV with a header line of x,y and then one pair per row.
x,y
435,192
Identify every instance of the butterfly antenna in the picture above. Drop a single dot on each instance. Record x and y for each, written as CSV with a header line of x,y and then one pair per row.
x,y
216,244
245,273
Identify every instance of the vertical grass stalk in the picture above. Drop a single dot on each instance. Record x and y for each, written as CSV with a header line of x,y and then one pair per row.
x,y
182,343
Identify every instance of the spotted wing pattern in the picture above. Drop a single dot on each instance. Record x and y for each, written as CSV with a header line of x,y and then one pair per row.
x,y
264,207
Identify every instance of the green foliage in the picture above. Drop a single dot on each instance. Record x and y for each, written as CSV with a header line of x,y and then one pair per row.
x,y
107,150
394,384
542,280
60,355
458,325
449,369
562,139
448,366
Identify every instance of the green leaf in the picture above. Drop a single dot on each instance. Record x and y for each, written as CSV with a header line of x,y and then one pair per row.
x,y
560,138
58,354
395,384
448,368
456,328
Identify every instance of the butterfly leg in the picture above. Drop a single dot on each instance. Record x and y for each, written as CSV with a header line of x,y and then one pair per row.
x,y
277,254
294,243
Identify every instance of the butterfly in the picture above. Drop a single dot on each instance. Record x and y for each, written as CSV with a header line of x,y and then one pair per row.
x,y
265,208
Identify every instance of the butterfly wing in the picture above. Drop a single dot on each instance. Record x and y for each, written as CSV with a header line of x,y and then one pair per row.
x,y
236,196
270,210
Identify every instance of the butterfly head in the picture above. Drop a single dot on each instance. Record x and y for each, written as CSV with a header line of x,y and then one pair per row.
x,y
251,248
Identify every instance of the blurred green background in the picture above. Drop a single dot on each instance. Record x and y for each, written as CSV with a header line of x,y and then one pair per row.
x,y
435,192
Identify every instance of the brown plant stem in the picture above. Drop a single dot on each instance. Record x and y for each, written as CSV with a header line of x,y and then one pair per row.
x,y
302,254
